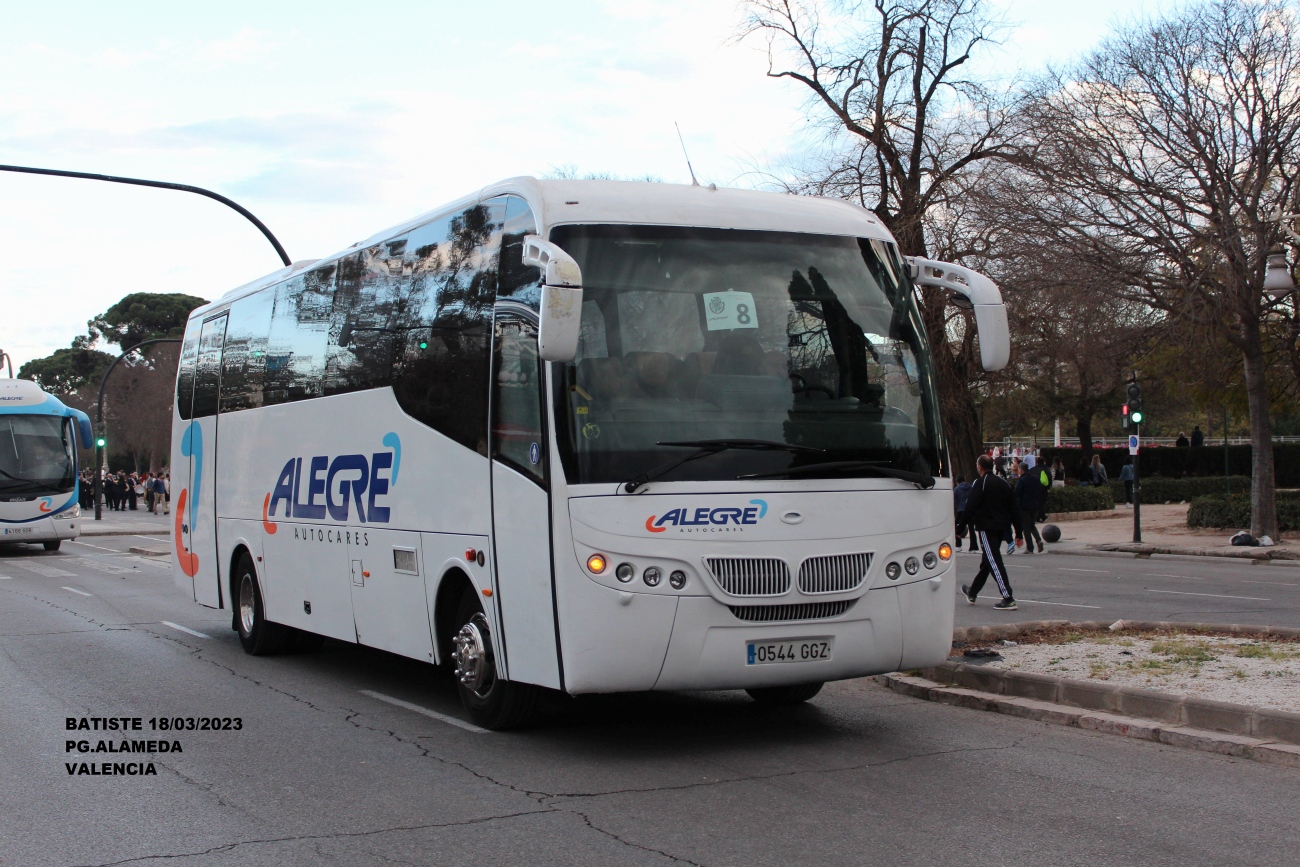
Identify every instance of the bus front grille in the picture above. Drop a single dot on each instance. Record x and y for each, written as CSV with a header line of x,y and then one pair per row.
x,y
750,576
803,611
833,574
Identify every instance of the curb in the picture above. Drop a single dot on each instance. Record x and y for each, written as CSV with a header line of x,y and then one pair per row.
x,y
143,531
1011,630
1254,556
1240,746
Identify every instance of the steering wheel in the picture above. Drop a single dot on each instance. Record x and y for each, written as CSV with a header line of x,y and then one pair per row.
x,y
802,387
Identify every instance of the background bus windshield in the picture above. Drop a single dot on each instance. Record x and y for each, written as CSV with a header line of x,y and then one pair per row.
x,y
695,334
35,455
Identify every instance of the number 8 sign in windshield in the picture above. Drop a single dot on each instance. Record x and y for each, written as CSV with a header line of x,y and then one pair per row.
x,y
729,310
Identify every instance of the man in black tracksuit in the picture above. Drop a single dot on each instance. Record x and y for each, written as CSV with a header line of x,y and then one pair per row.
x,y
989,509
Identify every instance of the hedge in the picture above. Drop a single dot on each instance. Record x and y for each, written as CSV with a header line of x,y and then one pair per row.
x,y
1077,499
1159,489
1233,512
1174,462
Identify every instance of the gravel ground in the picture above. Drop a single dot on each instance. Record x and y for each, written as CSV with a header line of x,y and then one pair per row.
x,y
1240,670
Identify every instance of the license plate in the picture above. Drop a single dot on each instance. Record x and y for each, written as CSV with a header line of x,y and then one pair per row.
x,y
17,531
788,650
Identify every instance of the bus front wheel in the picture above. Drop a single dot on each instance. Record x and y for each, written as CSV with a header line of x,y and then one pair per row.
x,y
52,546
784,696
492,702
259,636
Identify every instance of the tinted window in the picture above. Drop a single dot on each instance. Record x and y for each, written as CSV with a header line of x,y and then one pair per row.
x,y
185,371
207,371
371,286
295,353
518,282
517,398
441,322
243,364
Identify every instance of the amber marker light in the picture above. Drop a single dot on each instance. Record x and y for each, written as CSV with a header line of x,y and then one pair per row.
x,y
945,551
596,563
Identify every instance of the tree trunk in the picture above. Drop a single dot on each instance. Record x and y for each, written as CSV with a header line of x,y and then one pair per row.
x,y
1263,501
1083,429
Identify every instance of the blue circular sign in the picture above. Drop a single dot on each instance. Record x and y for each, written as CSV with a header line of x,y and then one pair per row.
x,y
534,453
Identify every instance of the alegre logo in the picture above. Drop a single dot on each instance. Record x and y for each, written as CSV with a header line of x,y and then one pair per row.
x,y
47,504
333,487
706,519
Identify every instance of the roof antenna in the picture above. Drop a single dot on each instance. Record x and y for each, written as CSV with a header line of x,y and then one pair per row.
x,y
694,182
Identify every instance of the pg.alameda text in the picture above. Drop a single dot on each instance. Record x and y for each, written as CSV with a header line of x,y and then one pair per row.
x,y
110,769
123,747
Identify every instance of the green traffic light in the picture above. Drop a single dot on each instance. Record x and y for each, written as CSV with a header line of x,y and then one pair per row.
x,y
101,442
1136,417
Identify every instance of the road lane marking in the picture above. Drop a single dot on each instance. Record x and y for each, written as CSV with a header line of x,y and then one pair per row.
x,y
6,577
1066,604
1097,571
98,547
110,568
75,590
183,629
1184,577
46,571
442,717
1215,595
1269,583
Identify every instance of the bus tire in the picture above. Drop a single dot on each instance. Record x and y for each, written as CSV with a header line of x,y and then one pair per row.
x,y
491,702
52,546
784,696
259,636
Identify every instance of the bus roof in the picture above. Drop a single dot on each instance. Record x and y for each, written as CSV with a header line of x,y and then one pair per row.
x,y
563,202
26,397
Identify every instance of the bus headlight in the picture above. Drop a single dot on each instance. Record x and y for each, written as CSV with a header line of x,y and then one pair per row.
x,y
625,572
68,514
892,571
930,560
912,565
677,579
652,576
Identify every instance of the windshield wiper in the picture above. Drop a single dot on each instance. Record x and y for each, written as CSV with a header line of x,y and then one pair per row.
x,y
712,447
921,480
29,482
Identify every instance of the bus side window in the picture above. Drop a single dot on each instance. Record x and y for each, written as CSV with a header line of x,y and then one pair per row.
x,y
516,281
185,372
441,329
207,372
295,353
243,363
370,293
517,398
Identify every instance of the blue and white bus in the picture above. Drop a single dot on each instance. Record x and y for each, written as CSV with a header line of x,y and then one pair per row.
x,y
38,465
584,436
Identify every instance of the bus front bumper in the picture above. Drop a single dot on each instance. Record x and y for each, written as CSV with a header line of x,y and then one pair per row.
x,y
43,530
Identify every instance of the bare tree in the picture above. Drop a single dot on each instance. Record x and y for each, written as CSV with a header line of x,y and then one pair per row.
x,y
887,79
1161,159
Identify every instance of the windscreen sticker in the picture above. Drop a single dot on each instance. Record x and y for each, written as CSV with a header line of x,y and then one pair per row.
x,y
729,310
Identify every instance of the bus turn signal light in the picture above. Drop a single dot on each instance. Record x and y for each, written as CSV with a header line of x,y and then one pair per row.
x,y
596,563
945,551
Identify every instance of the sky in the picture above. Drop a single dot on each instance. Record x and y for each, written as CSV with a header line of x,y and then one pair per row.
x,y
330,123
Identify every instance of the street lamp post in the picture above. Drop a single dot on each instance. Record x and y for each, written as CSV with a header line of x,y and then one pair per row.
x,y
99,422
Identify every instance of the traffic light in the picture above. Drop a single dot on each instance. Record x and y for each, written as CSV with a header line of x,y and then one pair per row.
x,y
1124,417
1135,413
101,441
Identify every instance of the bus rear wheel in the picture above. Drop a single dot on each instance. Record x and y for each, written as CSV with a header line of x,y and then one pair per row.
x,y
52,546
784,696
492,702
258,635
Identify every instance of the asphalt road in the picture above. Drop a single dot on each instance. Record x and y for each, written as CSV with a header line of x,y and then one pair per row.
x,y
1113,587
326,770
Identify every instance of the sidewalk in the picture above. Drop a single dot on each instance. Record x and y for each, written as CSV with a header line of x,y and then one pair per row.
x,y
126,523
1164,531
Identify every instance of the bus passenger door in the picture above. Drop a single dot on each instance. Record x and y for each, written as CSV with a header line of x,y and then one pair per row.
x,y
198,520
521,510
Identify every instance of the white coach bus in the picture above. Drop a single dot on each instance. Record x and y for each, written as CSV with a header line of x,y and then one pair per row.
x,y
38,465
587,436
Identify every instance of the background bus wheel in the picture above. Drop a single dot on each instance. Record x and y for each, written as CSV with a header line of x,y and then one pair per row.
x,y
782,696
258,636
52,546
492,702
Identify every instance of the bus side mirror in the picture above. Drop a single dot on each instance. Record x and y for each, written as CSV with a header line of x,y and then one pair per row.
x,y
85,433
560,317
974,292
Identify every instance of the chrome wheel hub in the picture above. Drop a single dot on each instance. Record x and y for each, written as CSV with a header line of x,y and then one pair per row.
x,y
472,653
246,612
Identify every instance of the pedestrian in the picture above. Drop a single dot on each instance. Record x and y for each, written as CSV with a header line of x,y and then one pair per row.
x,y
1031,496
133,491
1198,437
147,484
1057,473
1126,476
960,495
167,494
1000,464
1182,441
989,510
1097,472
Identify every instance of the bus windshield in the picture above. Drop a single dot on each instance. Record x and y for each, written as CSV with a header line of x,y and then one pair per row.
x,y
36,455
692,334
